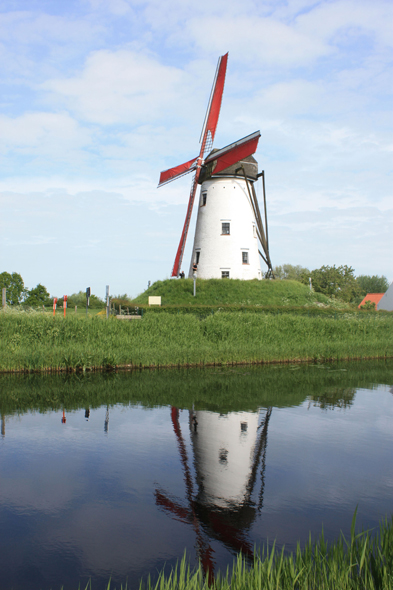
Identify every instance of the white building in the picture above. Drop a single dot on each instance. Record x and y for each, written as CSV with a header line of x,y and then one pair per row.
x,y
386,302
226,234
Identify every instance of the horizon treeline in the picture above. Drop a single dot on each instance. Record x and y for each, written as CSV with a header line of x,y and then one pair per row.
x,y
339,282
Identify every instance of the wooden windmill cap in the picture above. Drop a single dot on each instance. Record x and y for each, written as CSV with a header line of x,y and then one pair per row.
x,y
249,164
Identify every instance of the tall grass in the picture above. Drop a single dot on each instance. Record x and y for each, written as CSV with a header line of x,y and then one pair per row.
x,y
38,341
363,562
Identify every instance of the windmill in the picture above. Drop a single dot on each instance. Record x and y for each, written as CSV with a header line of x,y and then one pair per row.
x,y
229,451
229,223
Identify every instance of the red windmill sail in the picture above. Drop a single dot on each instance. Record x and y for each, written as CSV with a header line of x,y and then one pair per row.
x,y
207,138
176,172
234,152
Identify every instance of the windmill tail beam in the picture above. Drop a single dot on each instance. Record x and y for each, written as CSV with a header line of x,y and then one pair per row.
x,y
265,245
262,236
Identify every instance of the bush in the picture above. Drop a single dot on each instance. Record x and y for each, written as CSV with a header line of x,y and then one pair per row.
x,y
79,299
37,297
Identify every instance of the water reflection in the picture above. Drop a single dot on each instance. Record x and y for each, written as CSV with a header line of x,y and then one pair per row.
x,y
114,476
229,454
336,397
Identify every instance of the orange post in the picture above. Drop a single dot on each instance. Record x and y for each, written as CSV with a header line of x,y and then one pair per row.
x,y
54,306
65,304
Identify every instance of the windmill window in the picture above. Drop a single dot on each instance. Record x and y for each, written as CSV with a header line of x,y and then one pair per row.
x,y
223,456
225,228
245,257
197,256
243,426
203,200
225,274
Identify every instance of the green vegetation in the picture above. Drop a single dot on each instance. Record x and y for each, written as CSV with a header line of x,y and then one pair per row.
x,y
369,306
37,341
374,284
363,562
331,285
37,297
232,292
220,389
15,287
330,280
334,281
79,299
289,272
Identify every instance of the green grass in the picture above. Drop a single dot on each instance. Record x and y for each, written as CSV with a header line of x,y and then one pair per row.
x,y
38,341
80,312
225,292
363,562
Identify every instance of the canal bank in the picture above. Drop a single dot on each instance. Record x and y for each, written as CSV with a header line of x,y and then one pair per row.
x,y
39,342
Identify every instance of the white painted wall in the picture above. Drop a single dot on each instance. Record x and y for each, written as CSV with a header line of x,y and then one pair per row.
x,y
386,302
223,453
227,200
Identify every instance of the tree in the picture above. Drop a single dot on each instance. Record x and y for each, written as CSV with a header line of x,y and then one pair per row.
x,y
289,272
15,287
334,281
37,296
372,284
79,299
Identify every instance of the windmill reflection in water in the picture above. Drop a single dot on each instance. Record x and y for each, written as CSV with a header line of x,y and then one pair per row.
x,y
229,461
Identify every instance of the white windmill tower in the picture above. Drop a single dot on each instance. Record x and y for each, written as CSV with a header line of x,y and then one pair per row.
x,y
229,458
229,223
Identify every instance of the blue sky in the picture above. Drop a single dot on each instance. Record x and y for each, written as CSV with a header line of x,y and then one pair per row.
x,y
98,96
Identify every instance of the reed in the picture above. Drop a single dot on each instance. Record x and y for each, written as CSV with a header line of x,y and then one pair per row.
x,y
37,341
362,562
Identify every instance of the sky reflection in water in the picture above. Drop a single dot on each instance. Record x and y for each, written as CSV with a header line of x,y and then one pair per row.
x,y
122,489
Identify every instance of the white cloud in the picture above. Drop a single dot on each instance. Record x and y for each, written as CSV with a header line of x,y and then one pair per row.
x,y
339,21
48,133
116,7
263,39
119,87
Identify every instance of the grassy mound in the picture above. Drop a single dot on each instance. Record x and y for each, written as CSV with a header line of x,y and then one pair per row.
x,y
232,292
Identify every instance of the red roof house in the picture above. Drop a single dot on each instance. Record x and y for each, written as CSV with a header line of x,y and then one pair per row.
x,y
373,297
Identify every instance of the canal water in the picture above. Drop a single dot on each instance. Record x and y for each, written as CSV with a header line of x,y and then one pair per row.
x,y
116,475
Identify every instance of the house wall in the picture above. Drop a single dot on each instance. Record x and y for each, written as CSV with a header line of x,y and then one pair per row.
x,y
386,302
